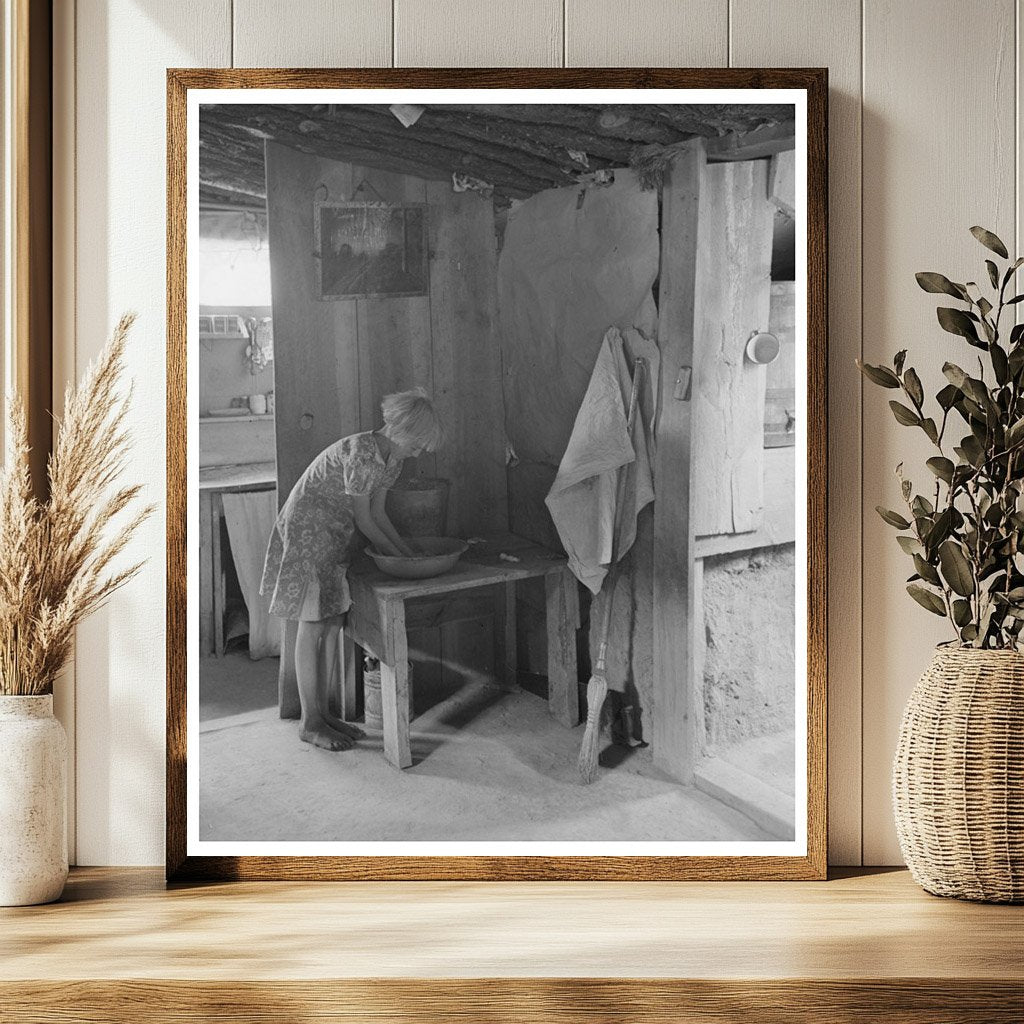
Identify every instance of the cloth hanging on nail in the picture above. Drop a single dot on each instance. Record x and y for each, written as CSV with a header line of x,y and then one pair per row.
x,y
582,499
250,516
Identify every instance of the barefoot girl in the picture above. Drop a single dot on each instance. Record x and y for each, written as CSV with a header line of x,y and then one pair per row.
x,y
337,505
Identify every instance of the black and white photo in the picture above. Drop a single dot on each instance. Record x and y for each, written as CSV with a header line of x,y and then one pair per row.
x,y
498,463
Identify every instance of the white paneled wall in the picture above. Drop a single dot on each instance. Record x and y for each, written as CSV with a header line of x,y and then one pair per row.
x,y
939,156
646,33
471,33
313,33
923,130
762,37
122,53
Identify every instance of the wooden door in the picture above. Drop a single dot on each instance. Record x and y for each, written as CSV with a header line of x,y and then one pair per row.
x,y
714,292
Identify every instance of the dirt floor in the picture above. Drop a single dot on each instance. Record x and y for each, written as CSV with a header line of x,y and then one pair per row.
x,y
768,758
489,764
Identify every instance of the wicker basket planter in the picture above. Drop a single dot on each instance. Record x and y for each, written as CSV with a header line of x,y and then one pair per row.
x,y
958,776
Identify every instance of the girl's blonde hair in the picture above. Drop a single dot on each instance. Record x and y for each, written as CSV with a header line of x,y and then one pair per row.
x,y
410,419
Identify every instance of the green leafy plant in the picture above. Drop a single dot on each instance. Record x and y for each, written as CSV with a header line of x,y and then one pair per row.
x,y
966,537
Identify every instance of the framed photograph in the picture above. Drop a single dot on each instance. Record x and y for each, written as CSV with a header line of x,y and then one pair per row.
x,y
371,250
506,557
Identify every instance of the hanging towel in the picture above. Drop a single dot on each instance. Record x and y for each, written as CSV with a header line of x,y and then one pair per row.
x,y
250,517
582,499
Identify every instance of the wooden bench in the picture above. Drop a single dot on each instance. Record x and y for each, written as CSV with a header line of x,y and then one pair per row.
x,y
385,608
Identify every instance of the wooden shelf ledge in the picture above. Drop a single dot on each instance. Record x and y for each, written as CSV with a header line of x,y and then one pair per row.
x,y
121,946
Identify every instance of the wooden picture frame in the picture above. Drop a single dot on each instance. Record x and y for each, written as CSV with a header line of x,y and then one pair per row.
x,y
679,551
400,270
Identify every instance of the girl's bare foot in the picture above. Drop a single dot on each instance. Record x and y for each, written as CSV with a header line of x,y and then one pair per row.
x,y
338,725
324,736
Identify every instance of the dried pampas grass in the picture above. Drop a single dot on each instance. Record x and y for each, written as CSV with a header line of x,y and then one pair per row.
x,y
56,557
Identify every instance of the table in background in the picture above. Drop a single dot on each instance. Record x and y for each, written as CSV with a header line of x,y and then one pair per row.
x,y
866,946
213,482
383,607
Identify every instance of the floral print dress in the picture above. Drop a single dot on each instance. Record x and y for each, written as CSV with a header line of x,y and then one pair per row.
x,y
315,537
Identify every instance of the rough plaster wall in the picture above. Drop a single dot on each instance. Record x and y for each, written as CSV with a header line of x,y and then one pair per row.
x,y
553,320
749,662
566,274
225,369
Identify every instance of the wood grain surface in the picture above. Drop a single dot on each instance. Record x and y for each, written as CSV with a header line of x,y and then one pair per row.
x,y
676,573
803,33
866,946
735,231
518,1001
64,356
811,865
27,285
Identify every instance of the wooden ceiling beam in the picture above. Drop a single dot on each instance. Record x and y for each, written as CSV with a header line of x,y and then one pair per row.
x,y
589,132
372,133
584,118
543,140
413,159
753,145
518,149
712,120
212,195
540,151
662,123
233,186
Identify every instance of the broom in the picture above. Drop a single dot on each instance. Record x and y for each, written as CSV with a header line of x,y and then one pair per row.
x,y
597,687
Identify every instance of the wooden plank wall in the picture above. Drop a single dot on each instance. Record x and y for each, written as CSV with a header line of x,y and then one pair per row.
x,y
336,360
316,355
729,390
466,363
677,573
924,117
442,341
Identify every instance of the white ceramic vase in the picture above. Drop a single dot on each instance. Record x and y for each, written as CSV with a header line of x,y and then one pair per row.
x,y
33,804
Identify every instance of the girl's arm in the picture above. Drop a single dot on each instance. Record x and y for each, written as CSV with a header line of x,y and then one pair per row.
x,y
370,530
380,517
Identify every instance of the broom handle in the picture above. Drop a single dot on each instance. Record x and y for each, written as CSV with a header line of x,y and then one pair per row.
x,y
620,493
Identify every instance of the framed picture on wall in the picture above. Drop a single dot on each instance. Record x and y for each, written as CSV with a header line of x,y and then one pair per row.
x,y
507,561
370,250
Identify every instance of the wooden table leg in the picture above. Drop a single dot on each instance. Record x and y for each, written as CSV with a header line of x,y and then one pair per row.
x,y
394,683
349,676
219,583
563,619
288,704
506,666
206,638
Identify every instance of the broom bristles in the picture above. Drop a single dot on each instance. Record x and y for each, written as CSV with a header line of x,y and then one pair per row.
x,y
597,690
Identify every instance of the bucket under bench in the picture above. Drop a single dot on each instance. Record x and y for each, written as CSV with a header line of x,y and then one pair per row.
x,y
384,608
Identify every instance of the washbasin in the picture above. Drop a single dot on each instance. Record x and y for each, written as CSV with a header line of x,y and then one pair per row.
x,y
435,555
